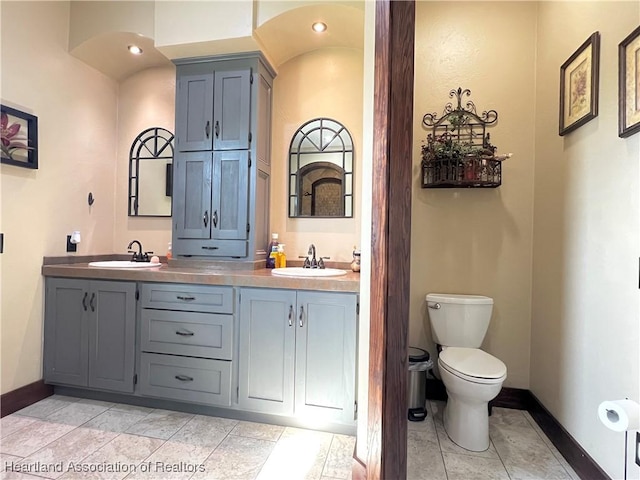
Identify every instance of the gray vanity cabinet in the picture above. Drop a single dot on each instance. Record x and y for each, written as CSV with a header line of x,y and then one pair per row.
x,y
222,161
298,353
89,333
267,349
186,342
211,192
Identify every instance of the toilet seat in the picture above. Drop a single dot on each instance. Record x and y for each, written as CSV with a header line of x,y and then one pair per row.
x,y
473,365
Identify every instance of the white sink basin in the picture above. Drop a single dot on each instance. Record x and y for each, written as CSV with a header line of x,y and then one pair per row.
x,y
307,272
124,264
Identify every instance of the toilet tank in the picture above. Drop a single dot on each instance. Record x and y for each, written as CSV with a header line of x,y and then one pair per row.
x,y
459,320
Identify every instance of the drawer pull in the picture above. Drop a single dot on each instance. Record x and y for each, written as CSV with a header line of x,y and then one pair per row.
x,y
184,378
211,248
185,333
186,299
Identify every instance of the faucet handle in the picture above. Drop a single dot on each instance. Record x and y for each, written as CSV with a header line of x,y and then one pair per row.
x,y
321,261
134,257
307,263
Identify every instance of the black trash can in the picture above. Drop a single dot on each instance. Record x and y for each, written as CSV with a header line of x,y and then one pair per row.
x,y
419,363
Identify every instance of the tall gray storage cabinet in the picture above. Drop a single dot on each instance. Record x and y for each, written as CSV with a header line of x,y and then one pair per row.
x,y
222,163
89,333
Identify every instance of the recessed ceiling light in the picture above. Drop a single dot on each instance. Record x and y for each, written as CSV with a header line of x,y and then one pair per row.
x,y
134,49
319,27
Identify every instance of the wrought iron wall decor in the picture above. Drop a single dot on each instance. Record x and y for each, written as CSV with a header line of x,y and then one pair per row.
x,y
321,170
458,152
151,173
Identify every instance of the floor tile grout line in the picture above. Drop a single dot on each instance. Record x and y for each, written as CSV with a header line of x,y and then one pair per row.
x,y
433,419
500,458
326,459
536,428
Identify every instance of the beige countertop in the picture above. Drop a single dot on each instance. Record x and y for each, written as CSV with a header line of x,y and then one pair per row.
x,y
205,276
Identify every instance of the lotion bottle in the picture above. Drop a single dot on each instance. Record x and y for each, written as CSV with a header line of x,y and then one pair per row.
x,y
282,258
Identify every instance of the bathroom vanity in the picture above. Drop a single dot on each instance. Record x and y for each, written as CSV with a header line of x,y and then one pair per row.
x,y
242,344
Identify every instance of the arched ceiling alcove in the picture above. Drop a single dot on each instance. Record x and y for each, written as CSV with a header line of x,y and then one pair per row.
x,y
289,34
286,34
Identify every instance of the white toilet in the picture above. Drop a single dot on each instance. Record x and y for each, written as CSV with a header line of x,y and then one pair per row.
x,y
472,377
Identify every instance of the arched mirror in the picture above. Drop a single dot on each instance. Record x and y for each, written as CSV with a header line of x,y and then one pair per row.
x,y
321,170
151,173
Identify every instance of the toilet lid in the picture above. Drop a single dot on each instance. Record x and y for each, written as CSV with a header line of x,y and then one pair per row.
x,y
473,362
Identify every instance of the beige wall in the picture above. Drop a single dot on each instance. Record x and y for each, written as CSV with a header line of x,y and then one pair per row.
x,y
145,100
76,110
322,83
478,241
585,331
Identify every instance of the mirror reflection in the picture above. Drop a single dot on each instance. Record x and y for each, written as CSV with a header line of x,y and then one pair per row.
x,y
321,170
151,173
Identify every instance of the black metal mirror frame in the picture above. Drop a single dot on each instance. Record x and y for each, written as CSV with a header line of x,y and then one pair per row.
x,y
153,144
335,139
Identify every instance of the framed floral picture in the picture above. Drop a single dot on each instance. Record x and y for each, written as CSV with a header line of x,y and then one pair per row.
x,y
19,138
579,78
629,80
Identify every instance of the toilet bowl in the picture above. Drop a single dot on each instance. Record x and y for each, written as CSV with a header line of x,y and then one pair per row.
x,y
472,378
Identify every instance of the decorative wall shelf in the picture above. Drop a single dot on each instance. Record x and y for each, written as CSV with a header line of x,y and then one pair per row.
x,y
458,152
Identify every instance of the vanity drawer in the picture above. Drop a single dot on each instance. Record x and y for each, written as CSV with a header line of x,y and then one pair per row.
x,y
187,379
191,298
192,334
212,248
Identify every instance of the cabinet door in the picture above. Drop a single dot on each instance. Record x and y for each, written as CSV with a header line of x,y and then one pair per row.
x,y
65,331
267,344
192,195
231,110
326,356
230,195
194,113
112,335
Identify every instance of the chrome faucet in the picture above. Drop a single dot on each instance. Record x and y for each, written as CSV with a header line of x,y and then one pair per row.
x,y
138,256
313,263
310,261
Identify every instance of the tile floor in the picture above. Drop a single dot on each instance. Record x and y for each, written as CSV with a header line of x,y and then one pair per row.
x,y
518,451
69,438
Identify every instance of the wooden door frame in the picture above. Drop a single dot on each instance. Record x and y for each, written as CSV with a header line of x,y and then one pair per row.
x,y
390,242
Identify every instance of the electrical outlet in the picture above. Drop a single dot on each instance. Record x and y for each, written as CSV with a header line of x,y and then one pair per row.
x,y
638,448
71,247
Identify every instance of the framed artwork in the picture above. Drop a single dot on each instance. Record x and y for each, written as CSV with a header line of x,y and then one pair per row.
x,y
19,137
579,78
629,80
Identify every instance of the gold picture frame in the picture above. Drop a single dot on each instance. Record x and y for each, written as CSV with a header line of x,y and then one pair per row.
x,y
629,81
579,81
